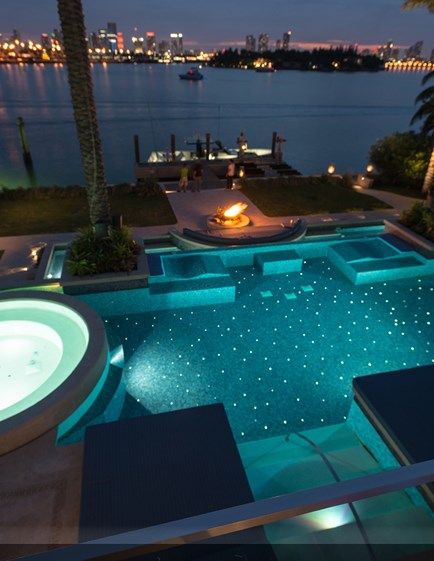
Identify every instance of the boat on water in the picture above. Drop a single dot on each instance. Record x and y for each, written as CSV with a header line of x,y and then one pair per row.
x,y
192,74
265,69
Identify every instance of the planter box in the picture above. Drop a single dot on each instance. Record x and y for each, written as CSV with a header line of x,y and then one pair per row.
x,y
401,231
107,282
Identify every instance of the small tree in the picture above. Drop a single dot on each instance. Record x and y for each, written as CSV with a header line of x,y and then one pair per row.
x,y
401,158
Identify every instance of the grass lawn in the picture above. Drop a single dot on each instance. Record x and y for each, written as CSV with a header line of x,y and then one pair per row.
x,y
276,197
58,214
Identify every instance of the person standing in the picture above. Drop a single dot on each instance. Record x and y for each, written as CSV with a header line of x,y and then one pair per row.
x,y
242,144
183,180
279,149
230,174
197,177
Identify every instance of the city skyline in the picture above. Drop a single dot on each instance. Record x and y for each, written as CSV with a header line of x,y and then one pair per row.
x,y
207,25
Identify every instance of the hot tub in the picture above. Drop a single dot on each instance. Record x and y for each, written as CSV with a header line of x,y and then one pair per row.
x,y
53,350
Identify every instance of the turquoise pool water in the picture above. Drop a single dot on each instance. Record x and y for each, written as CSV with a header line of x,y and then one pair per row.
x,y
282,355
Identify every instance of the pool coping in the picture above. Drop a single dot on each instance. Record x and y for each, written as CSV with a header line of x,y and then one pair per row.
x,y
49,412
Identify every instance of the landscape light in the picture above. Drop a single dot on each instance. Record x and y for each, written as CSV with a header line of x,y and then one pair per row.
x,y
369,168
331,169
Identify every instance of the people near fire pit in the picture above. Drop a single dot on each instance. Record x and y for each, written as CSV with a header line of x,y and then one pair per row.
x,y
242,144
230,174
183,180
197,177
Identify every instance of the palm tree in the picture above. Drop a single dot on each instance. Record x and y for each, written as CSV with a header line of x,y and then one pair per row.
x,y
80,83
426,110
425,113
411,4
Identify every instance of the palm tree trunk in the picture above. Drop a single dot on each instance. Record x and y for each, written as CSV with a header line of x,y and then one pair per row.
x,y
428,181
80,83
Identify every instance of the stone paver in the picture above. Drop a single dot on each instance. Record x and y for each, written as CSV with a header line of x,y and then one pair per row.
x,y
40,489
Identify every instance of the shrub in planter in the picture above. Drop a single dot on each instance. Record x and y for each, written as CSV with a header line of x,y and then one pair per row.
x,y
89,255
420,219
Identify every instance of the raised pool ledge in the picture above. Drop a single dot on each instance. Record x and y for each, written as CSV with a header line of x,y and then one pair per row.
x,y
64,388
397,229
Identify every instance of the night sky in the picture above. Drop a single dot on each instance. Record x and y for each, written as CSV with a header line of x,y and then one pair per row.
x,y
218,23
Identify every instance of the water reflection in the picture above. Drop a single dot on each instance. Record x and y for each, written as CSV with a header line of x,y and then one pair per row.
x,y
324,117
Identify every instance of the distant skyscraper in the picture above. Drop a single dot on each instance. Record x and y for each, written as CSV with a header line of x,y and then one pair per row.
x,y
16,36
112,35
394,55
93,41
45,41
263,42
415,51
278,45
57,35
103,39
176,44
432,56
250,43
138,42
163,47
120,40
286,40
151,43
385,51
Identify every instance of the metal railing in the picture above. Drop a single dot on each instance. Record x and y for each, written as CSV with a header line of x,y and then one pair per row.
x,y
242,517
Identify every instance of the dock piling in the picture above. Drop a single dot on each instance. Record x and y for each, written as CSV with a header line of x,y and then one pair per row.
x,y
273,145
27,157
137,148
173,146
208,145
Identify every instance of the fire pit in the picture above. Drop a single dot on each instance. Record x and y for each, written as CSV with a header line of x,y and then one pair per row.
x,y
230,216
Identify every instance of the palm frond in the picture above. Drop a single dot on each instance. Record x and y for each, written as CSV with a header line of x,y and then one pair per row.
x,y
411,4
425,95
424,111
428,127
428,76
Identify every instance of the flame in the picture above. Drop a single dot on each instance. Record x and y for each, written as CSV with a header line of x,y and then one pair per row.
x,y
234,210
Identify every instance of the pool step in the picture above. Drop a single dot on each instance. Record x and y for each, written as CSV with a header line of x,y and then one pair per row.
x,y
329,438
392,535
195,292
377,260
286,464
277,262
294,473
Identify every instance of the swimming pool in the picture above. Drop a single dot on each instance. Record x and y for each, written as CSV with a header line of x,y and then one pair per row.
x,y
281,350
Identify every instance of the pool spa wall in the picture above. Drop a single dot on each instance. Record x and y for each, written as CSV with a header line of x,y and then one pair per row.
x,y
42,408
